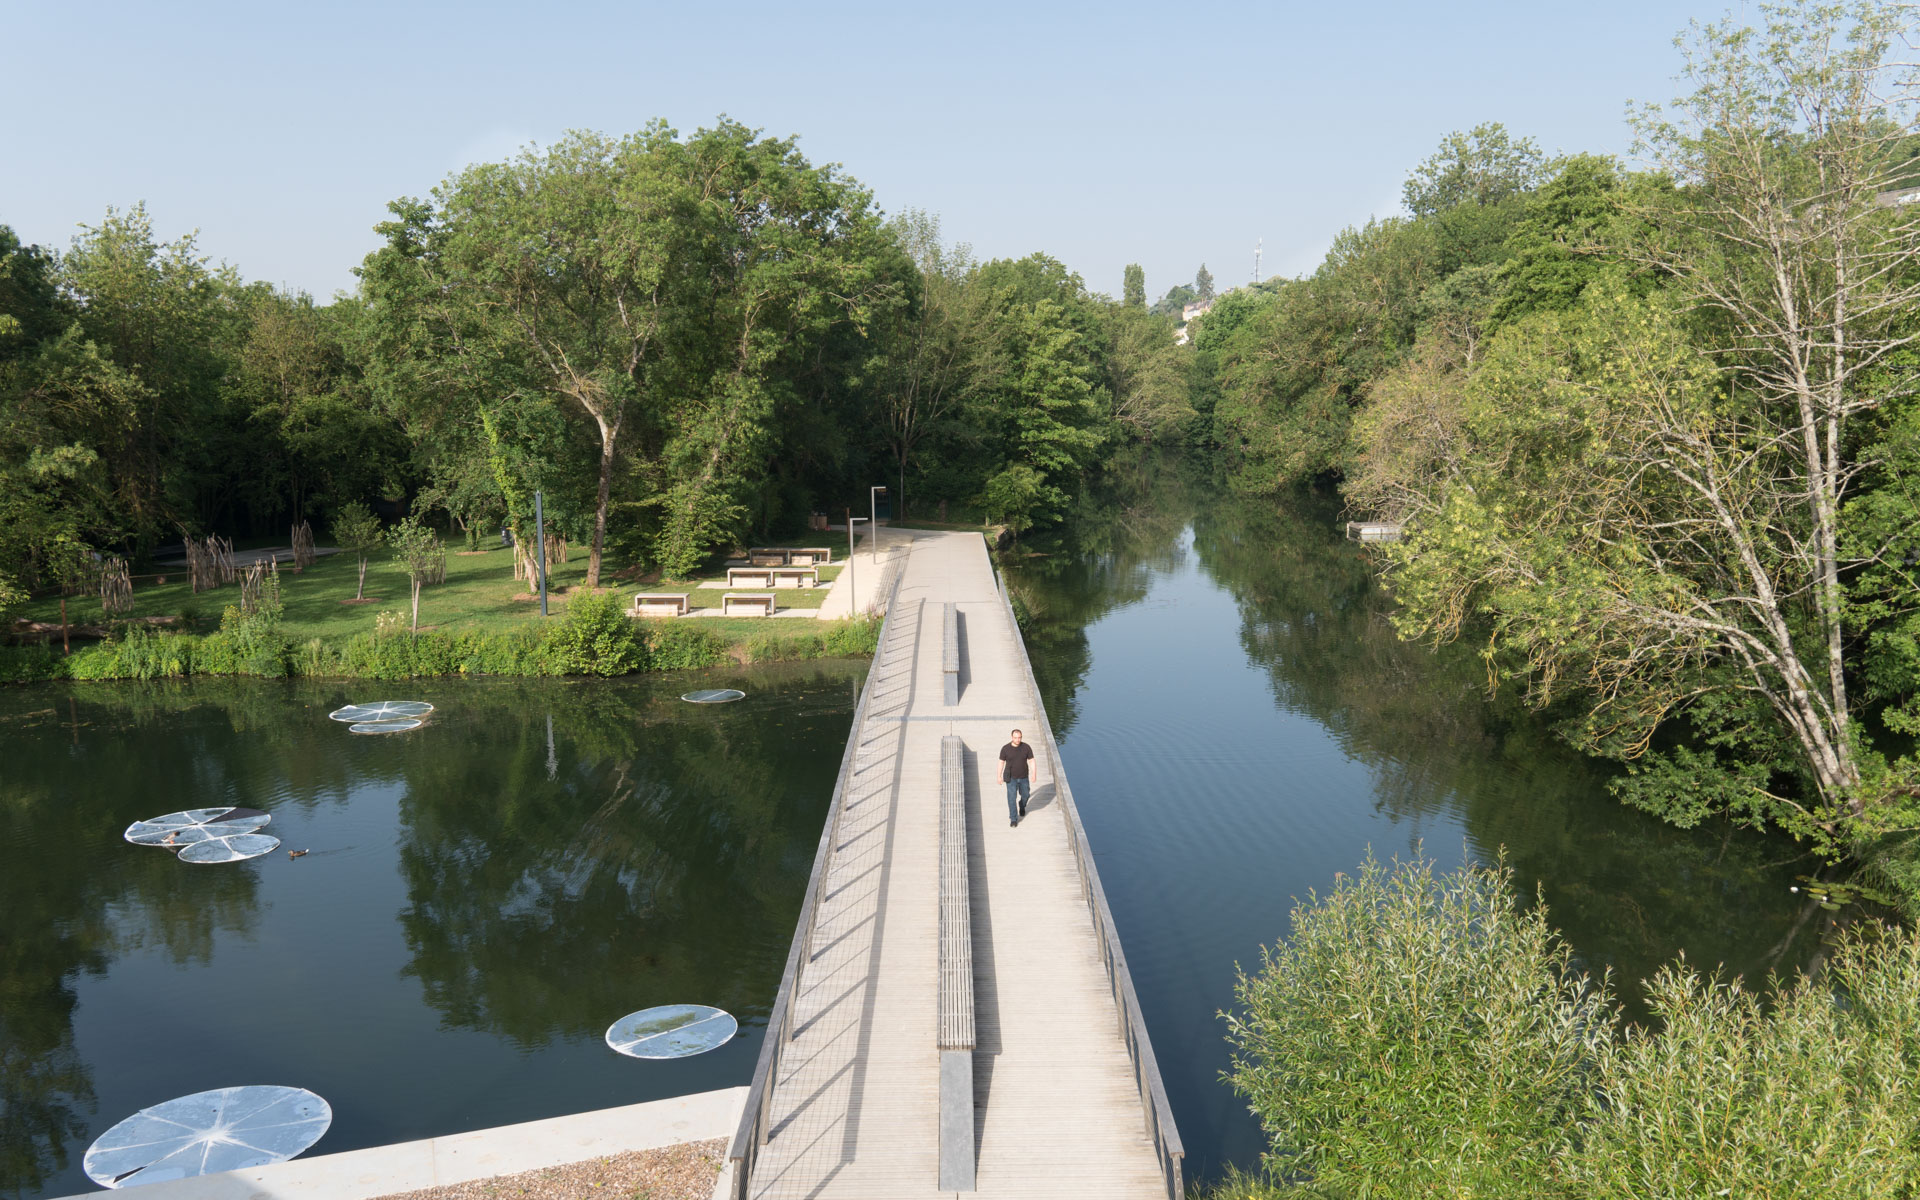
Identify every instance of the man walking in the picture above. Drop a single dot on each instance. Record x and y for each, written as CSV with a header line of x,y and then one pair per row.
x,y
1014,757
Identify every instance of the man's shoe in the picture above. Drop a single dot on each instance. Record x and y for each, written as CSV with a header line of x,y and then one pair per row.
x,y
1012,821
1023,808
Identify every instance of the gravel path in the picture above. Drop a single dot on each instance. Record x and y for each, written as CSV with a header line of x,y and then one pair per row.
x,y
683,1172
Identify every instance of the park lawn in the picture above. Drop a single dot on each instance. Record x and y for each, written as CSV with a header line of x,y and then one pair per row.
x,y
479,595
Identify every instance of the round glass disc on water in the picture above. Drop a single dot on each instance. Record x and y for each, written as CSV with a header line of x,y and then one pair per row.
x,y
400,726
672,1031
227,1129
381,710
714,696
233,848
195,825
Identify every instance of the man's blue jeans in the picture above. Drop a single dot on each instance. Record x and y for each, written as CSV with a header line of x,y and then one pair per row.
x,y
1016,796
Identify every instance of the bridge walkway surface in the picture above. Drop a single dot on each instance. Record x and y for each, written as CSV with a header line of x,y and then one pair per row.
x,y
848,1095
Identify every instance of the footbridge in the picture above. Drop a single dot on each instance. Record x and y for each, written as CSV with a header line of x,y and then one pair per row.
x,y
956,1014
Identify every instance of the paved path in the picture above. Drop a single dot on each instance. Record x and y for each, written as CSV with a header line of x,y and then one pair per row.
x,y
856,1097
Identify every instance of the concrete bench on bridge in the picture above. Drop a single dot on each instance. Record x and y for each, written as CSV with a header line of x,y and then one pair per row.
x,y
955,1035
659,604
950,651
768,558
795,577
747,604
750,577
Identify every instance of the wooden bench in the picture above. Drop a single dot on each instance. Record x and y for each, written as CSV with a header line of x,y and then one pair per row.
x,y
659,604
954,1037
747,604
795,577
750,577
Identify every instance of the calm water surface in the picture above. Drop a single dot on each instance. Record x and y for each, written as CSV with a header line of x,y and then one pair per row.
x,y
483,897
1240,724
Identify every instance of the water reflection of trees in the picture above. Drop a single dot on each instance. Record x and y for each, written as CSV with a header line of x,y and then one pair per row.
x,y
1627,890
662,861
76,895
1105,557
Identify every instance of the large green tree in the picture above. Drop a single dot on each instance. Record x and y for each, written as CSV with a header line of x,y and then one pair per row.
x,y
661,290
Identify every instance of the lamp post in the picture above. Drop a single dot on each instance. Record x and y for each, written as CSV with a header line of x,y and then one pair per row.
x,y
853,578
540,549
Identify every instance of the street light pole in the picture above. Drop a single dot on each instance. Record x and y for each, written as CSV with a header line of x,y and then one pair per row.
x,y
873,507
540,549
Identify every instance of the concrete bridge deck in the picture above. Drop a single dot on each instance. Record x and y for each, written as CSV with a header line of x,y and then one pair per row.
x,y
849,1098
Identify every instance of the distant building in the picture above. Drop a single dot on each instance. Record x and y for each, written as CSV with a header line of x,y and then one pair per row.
x,y
1187,314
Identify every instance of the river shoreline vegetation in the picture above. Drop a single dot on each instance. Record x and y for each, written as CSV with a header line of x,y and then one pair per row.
x,y
1651,433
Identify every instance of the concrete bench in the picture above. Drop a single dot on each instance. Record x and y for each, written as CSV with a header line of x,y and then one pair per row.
x,y
955,1036
750,577
789,556
747,604
660,604
950,651
795,577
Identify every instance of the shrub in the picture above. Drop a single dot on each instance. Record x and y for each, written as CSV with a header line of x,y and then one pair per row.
x,y
681,645
596,637
29,664
1419,1035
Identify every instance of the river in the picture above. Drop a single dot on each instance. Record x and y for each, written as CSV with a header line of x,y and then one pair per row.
x,y
1241,724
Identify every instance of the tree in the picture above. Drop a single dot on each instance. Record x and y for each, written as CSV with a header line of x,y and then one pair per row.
x,y
358,532
937,349
418,551
1670,527
1203,284
1134,289
1146,373
1482,167
657,289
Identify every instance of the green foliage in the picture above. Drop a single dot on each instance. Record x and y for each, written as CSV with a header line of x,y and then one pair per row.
x,y
1134,287
1421,1035
596,637
680,645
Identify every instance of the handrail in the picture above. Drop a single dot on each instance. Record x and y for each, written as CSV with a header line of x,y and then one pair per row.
x,y
752,1131
1133,1027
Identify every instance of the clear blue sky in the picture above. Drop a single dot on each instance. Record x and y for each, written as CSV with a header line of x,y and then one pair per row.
x,y
1102,134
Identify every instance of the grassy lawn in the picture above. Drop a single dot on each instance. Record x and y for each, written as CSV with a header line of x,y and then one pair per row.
x,y
480,594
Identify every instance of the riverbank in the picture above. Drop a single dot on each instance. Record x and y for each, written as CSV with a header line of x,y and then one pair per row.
x,y
479,622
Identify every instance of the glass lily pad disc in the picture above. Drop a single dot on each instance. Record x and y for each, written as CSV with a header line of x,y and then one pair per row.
x,y
385,726
232,848
195,825
672,1031
714,696
227,1129
383,710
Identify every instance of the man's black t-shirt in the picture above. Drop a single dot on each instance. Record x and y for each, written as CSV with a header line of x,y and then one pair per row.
x,y
1016,758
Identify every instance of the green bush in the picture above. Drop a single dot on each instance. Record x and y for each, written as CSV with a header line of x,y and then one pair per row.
x,y
682,645
1420,1036
29,664
596,637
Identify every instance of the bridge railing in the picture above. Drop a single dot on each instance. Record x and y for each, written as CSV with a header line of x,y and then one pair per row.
x,y
1133,1027
755,1118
